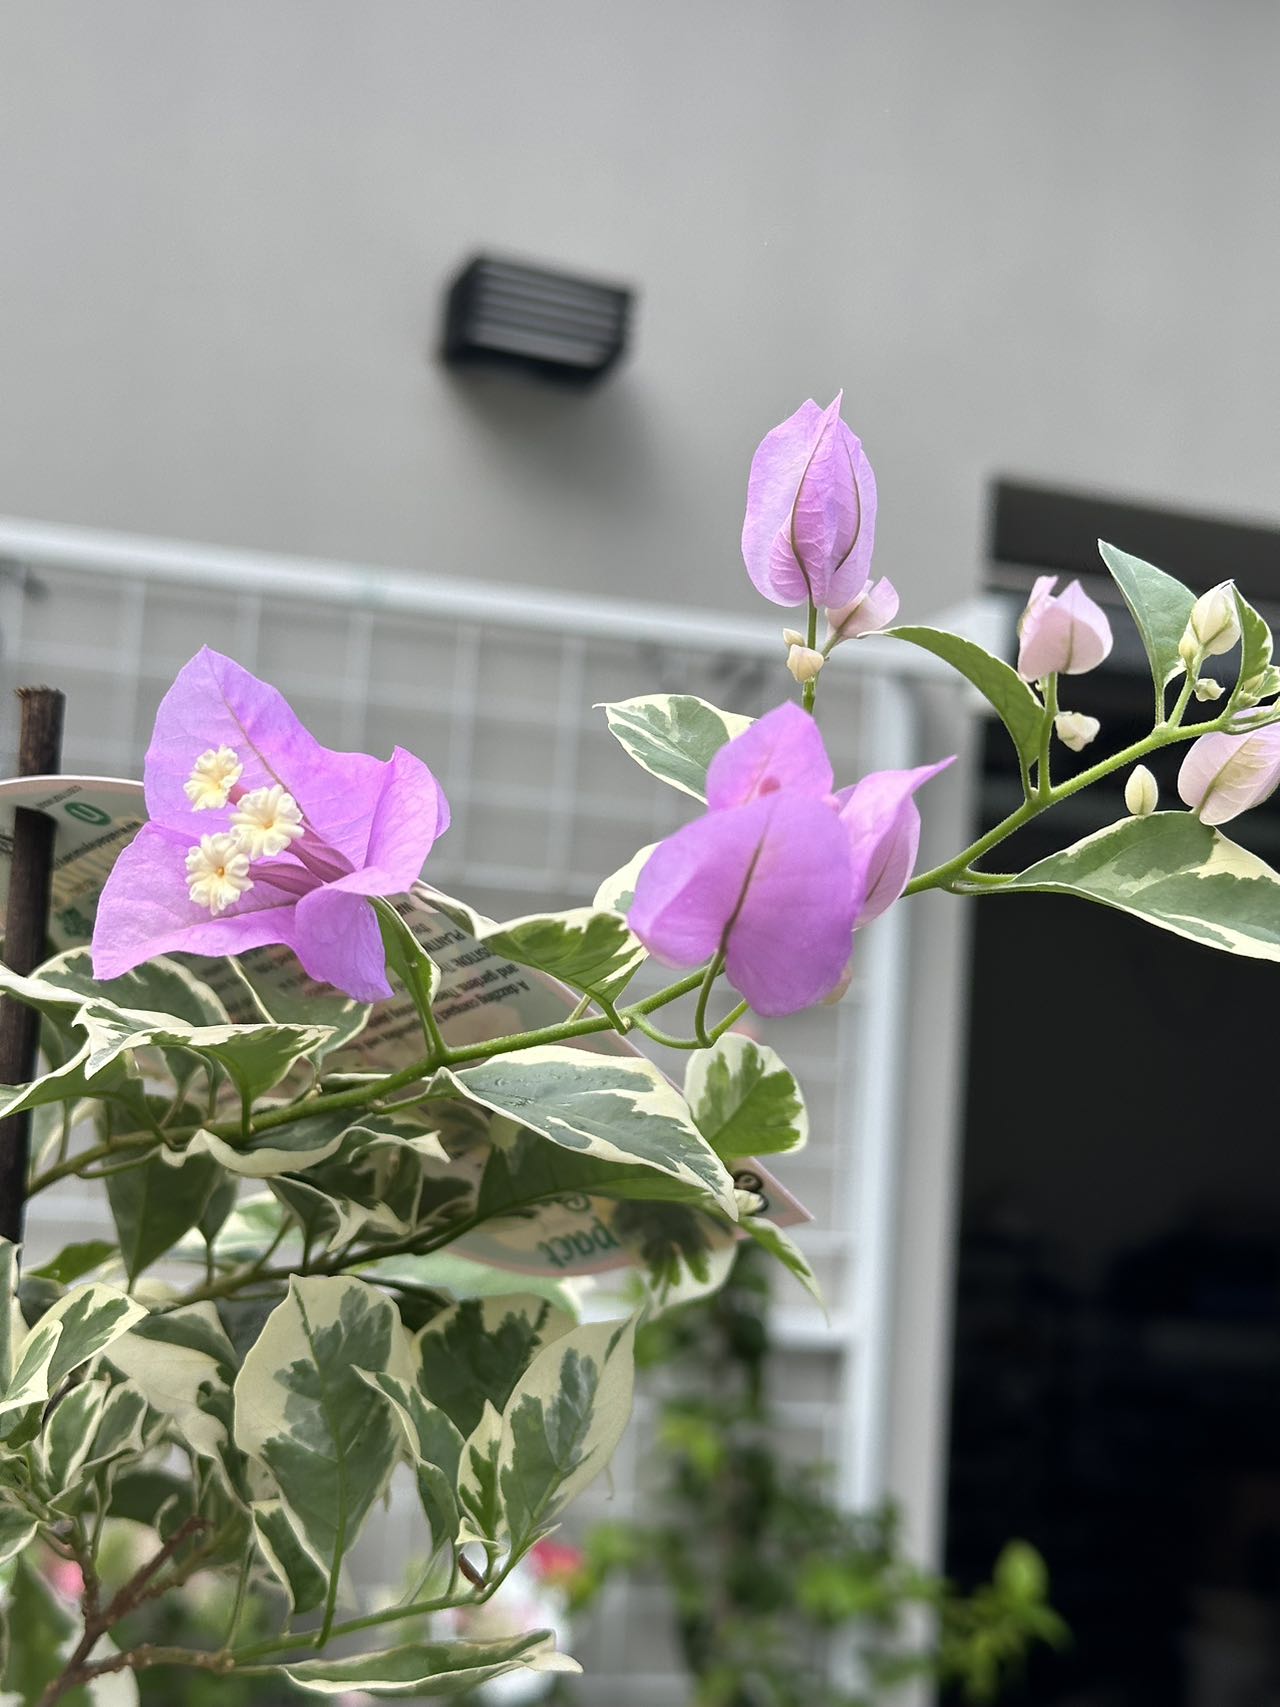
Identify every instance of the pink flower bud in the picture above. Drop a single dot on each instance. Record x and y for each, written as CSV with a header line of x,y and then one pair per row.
x,y
811,511
874,608
1065,634
1224,775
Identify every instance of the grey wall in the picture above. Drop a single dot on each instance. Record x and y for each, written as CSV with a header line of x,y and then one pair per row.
x,y
1023,235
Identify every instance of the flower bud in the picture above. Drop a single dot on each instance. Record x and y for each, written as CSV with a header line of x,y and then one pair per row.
x,y
804,663
1207,688
874,608
1214,624
792,637
1075,729
1141,792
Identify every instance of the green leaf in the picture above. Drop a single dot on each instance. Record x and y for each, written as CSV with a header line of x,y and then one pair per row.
x,y
476,1352
12,1326
775,1241
302,1410
17,1532
1161,607
674,736
615,1108
1175,872
283,1149
464,1277
73,1262
407,958
530,1171
745,1101
155,1202
435,1447
999,683
304,1574
563,1423
1257,678
430,1668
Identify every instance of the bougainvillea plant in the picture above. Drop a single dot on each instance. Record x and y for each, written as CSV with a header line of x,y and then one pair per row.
x,y
353,1135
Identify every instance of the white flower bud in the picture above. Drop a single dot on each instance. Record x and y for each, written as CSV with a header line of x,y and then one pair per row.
x,y
1214,624
1207,688
792,637
1141,792
1075,729
804,663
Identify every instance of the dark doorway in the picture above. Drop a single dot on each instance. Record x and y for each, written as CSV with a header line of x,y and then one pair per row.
x,y
1117,1343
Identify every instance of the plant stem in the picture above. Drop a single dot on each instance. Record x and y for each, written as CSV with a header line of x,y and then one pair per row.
x,y
1167,735
809,692
714,969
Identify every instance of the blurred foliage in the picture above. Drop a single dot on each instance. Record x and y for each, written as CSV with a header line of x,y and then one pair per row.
x,y
774,1590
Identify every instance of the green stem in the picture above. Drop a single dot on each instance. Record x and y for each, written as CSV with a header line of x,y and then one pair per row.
x,y
809,692
714,969
1168,735
1044,786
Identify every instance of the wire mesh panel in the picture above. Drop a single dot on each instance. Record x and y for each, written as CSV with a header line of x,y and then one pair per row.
x,y
496,691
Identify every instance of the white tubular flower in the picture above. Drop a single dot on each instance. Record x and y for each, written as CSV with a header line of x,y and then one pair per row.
x,y
213,776
1075,729
792,637
266,821
1207,688
804,662
218,872
1214,624
1141,792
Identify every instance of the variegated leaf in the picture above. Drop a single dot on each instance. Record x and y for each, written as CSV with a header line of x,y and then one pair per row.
x,y
674,736
1175,872
17,1532
619,1109
79,1326
787,1252
562,1424
618,890
435,1449
303,1573
423,1669
745,1100
589,948
476,1352
282,1149
178,1361
302,1409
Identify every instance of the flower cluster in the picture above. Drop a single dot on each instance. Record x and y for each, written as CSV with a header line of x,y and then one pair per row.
x,y
779,871
258,835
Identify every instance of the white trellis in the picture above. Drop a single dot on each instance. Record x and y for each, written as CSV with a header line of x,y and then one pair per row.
x,y
494,686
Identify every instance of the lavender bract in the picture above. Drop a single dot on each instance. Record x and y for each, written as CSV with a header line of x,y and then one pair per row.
x,y
779,870
258,834
811,511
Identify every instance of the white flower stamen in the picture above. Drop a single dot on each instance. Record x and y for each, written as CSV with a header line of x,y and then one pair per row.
x,y
212,778
266,820
218,872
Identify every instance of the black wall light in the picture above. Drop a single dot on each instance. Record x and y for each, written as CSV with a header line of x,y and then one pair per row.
x,y
555,325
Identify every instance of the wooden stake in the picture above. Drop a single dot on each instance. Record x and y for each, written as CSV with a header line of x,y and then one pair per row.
x,y
26,931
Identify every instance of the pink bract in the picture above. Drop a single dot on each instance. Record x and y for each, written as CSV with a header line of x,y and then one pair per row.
x,y
811,511
1224,775
369,825
1065,634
